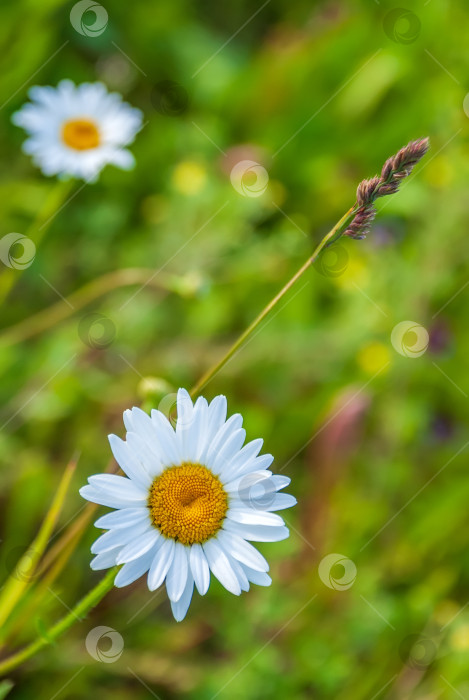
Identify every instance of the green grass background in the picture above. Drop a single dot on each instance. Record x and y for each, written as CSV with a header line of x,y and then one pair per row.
x,y
375,443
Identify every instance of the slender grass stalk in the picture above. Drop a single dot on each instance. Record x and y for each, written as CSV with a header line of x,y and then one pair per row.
x,y
355,224
46,319
328,239
80,610
24,571
17,622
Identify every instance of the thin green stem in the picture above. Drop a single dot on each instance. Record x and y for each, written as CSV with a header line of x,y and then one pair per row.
x,y
333,235
47,318
25,569
78,613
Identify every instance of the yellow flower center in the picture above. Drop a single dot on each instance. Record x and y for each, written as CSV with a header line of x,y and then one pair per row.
x,y
188,503
81,134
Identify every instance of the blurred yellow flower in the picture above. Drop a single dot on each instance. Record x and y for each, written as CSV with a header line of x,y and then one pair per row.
x,y
460,638
355,272
189,177
374,357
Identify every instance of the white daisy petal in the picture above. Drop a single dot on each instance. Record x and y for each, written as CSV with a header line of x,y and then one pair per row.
x,y
220,567
199,568
117,538
251,516
281,501
200,426
239,485
133,570
166,438
217,411
232,424
105,560
185,409
143,426
150,461
260,578
242,551
77,130
126,517
119,486
129,462
256,464
257,533
239,572
230,448
138,547
280,481
244,456
105,499
160,564
187,427
181,607
176,578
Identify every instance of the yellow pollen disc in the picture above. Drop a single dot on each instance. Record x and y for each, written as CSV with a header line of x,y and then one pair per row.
x,y
188,503
80,134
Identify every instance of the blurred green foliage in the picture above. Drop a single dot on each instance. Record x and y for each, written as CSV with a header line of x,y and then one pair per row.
x,y
319,93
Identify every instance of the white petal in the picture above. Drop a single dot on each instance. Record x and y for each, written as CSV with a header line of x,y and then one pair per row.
x,y
255,491
217,413
218,440
233,487
281,501
214,419
185,410
187,426
140,546
231,447
133,570
257,533
220,567
280,481
105,560
252,516
129,462
255,464
258,577
244,456
239,572
176,578
141,424
118,538
181,607
146,454
200,427
199,568
242,551
160,564
118,486
105,499
167,442
125,517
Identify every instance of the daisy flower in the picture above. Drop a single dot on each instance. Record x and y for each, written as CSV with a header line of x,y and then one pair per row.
x,y
192,498
77,130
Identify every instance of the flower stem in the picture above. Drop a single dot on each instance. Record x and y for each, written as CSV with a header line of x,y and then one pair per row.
x,y
25,569
50,317
333,235
79,611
